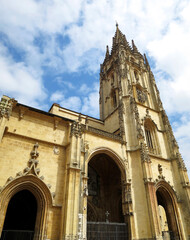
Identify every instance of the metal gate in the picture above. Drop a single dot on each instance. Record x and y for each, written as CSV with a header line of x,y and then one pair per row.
x,y
17,235
106,231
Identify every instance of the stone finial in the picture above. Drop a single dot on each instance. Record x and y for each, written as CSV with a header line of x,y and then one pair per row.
x,y
33,162
160,170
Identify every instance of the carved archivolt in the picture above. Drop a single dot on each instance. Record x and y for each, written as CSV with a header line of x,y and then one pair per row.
x,y
118,160
161,182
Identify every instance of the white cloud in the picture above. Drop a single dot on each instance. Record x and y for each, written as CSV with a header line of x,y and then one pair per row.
x,y
73,103
88,105
84,89
91,102
20,81
57,96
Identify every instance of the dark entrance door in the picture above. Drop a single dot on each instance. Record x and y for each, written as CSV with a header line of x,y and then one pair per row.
x,y
20,218
105,219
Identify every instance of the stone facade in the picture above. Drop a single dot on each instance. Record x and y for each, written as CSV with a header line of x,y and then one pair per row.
x,y
131,150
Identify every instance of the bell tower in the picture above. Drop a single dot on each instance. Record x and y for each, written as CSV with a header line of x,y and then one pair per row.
x,y
131,107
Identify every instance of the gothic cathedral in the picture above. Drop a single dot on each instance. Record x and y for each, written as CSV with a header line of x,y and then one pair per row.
x,y
69,176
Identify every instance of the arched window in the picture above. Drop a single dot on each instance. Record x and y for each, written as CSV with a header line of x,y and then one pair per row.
x,y
151,137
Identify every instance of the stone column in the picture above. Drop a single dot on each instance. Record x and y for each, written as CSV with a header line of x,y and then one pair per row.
x,y
71,212
150,192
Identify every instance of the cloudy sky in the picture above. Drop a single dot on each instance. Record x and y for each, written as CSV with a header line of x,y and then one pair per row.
x,y
50,51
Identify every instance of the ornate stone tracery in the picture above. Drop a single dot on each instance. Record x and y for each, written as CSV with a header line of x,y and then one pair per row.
x,y
140,133
180,162
6,105
169,130
141,96
76,129
144,153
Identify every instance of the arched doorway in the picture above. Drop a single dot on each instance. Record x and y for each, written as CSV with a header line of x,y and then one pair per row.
x,y
20,217
104,209
167,214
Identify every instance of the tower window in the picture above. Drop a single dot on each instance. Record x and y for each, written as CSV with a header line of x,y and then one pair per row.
x,y
151,137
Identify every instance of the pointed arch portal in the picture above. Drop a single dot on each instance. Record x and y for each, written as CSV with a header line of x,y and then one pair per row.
x,y
104,209
168,212
20,217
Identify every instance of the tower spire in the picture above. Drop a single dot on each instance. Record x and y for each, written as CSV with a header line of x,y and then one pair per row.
x,y
119,39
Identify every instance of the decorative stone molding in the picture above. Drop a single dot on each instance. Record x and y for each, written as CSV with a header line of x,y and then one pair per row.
x,y
144,153
180,162
56,150
141,95
102,133
140,133
185,184
85,191
127,191
80,226
33,162
84,146
158,98
76,129
160,170
148,180
169,129
6,105
56,122
71,237
121,121
30,170
127,198
161,179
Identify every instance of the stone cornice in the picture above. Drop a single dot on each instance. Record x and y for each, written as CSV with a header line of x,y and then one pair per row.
x,y
102,133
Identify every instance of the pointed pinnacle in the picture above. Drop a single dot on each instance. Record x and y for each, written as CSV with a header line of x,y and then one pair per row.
x,y
146,61
107,53
134,47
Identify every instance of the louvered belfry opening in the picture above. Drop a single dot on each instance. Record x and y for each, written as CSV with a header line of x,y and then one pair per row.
x,y
20,217
105,219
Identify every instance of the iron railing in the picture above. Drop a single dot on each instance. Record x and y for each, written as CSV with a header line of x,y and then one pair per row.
x,y
17,235
106,231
